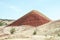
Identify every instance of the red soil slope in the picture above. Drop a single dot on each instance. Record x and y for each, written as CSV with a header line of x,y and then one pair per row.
x,y
33,18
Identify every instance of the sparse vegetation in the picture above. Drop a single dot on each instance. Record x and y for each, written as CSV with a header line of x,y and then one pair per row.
x,y
12,30
3,23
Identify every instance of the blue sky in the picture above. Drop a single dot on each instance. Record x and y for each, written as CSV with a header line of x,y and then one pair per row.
x,y
14,9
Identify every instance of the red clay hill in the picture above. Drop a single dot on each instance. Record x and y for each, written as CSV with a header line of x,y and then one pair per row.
x,y
33,18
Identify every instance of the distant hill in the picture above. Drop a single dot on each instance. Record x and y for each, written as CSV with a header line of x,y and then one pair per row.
x,y
4,22
33,18
7,19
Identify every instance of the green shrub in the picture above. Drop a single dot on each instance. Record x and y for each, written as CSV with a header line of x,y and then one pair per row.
x,y
12,30
34,33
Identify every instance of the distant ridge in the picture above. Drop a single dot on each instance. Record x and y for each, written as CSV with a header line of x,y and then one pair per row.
x,y
5,22
6,19
33,18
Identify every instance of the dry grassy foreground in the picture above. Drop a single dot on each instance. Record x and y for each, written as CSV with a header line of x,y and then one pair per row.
x,y
49,31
